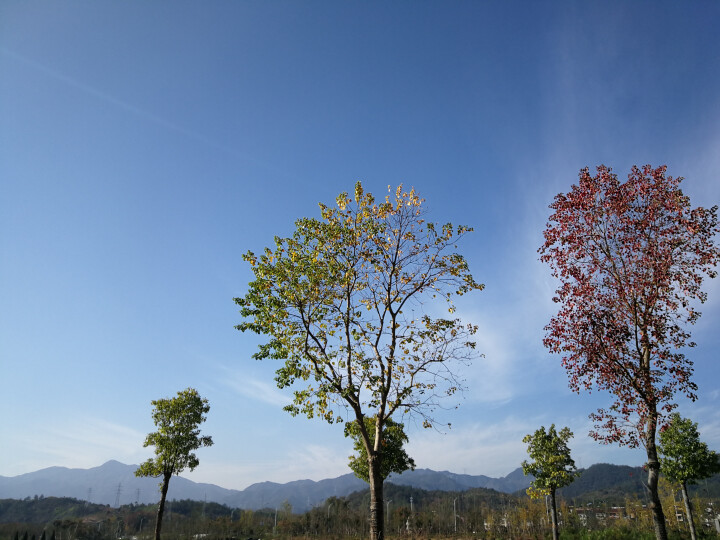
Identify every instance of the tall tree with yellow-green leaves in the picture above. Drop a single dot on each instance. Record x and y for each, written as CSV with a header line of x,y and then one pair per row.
x,y
551,465
175,441
347,303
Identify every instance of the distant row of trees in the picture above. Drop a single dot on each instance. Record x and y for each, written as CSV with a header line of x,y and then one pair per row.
x,y
349,303
477,513
684,459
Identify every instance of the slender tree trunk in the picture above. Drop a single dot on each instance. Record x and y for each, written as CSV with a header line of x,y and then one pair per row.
x,y
161,505
377,523
553,514
653,466
688,510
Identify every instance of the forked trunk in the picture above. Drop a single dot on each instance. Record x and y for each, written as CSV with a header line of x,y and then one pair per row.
x,y
553,514
161,505
377,523
653,466
688,510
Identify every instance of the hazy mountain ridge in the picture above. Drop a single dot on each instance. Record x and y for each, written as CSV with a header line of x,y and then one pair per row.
x,y
446,481
115,483
600,482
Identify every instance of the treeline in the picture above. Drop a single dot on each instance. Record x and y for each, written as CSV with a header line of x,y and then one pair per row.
x,y
410,513
41,509
59,518
613,484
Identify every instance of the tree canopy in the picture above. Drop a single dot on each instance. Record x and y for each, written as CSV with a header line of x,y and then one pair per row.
x,y
395,458
631,258
178,434
342,301
552,466
683,456
348,303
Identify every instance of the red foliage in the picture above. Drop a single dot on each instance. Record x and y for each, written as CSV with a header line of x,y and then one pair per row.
x,y
631,258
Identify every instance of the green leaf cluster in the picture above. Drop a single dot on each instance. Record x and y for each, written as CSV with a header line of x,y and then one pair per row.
x,y
342,304
684,458
551,465
392,454
178,434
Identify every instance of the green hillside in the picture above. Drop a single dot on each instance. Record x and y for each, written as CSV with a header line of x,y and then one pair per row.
x,y
46,509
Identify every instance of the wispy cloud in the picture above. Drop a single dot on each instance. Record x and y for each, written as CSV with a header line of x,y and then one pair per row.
x,y
254,389
706,414
491,449
122,104
490,377
80,442
312,462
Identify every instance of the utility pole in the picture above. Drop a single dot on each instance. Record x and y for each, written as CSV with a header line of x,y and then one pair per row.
x,y
409,519
117,495
455,514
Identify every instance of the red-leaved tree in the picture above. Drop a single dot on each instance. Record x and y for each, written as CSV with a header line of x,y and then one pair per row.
x,y
631,258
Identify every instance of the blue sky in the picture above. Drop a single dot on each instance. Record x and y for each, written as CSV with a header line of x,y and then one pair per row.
x,y
145,146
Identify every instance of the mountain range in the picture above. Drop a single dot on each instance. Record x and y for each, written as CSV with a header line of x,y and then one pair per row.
x,y
115,483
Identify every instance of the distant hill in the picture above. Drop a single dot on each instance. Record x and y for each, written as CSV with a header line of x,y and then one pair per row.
x,y
115,483
430,480
611,484
44,510
607,482
110,483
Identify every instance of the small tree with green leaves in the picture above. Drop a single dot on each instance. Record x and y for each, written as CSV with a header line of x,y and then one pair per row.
x,y
175,440
684,459
395,458
552,466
